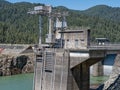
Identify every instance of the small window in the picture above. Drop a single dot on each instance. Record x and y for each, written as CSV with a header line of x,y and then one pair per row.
x,y
67,42
82,39
76,42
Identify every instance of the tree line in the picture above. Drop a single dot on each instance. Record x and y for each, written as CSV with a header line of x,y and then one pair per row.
x,y
16,26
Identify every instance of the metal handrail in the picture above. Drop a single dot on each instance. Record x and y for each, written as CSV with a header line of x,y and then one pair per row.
x,y
105,46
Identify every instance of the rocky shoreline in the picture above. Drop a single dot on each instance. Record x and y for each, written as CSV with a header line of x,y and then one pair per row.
x,y
12,65
113,83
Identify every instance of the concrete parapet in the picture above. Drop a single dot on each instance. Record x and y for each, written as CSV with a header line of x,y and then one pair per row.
x,y
97,53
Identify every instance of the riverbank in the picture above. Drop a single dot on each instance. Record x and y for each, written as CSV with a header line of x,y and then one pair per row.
x,y
95,82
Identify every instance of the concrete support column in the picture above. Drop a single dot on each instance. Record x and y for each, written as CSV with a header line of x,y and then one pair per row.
x,y
84,76
98,69
81,76
76,78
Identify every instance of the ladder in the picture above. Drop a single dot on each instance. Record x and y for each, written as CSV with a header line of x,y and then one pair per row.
x,y
44,70
48,70
38,71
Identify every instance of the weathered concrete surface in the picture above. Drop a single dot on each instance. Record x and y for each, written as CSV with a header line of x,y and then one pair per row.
x,y
115,73
97,69
80,74
10,65
67,72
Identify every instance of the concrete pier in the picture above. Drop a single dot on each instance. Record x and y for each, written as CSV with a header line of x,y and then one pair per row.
x,y
61,71
97,69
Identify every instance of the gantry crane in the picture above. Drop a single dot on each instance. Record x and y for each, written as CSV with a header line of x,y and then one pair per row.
x,y
53,26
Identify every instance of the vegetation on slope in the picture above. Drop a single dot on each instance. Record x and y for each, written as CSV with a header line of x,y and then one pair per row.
x,y
16,26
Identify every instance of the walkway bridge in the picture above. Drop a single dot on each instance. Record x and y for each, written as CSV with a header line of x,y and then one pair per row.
x,y
68,69
112,51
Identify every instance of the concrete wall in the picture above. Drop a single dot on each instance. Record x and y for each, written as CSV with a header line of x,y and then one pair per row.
x,y
65,72
54,77
76,39
97,69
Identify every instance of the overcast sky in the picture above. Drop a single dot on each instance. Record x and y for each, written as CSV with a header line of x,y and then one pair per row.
x,y
74,4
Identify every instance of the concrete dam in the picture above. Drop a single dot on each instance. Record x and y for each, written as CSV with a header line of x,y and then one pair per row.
x,y
63,62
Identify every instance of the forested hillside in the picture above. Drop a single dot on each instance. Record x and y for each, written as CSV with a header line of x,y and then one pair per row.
x,y
16,26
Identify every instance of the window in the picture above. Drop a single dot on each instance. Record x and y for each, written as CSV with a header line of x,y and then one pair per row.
x,y
76,43
67,42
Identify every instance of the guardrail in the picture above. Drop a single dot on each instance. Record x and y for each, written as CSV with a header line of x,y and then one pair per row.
x,y
105,46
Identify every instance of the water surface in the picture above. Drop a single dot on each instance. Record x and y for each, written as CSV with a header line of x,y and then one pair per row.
x,y
25,82
16,82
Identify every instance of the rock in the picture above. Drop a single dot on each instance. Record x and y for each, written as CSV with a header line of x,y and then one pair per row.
x,y
16,65
114,75
15,71
115,85
1,73
29,67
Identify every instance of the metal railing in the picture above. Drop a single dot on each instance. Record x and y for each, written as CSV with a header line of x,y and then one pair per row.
x,y
104,46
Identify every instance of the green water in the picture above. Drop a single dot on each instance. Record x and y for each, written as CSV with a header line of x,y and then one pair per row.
x,y
16,82
98,80
25,82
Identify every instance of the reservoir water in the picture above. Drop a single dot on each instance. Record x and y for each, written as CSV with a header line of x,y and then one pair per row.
x,y
16,82
25,82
